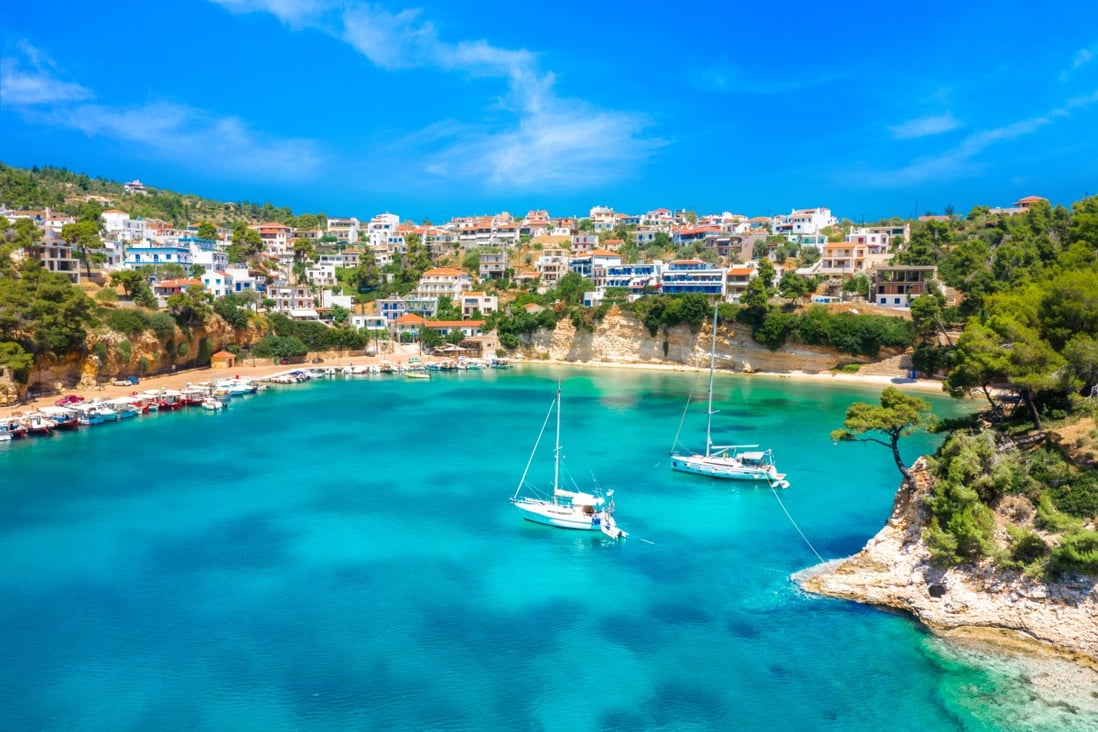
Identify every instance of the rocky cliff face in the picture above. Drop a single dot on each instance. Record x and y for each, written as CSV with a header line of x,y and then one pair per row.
x,y
981,602
622,338
108,355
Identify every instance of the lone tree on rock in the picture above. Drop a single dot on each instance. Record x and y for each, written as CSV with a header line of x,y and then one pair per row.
x,y
898,416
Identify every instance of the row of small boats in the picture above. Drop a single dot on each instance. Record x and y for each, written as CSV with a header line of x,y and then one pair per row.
x,y
46,420
413,367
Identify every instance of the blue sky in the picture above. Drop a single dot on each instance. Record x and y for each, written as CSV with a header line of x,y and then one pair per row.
x,y
441,109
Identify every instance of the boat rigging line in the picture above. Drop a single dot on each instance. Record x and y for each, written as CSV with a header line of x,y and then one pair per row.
x,y
685,408
798,528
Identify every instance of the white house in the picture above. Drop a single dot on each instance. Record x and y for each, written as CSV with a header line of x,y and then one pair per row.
x,y
218,284
210,259
118,225
140,255
471,302
321,275
245,280
344,230
381,229
444,281
802,221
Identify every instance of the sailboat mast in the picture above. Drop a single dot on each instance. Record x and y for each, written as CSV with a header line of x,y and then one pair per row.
x,y
556,451
712,368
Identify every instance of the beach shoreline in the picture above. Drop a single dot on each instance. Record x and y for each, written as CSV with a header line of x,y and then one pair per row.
x,y
923,385
267,368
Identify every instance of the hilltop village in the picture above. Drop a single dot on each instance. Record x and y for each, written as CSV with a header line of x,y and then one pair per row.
x,y
342,270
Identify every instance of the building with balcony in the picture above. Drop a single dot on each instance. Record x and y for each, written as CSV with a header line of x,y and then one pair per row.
x,y
692,276
444,281
898,285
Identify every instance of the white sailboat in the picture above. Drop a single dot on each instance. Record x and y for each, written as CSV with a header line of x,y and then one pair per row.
x,y
566,509
727,462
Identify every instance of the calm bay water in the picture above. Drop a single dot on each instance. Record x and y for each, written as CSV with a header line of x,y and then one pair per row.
x,y
341,555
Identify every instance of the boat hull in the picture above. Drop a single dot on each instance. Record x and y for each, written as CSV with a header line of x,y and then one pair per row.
x,y
725,469
548,514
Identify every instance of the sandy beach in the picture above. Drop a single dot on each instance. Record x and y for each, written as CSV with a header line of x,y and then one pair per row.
x,y
179,379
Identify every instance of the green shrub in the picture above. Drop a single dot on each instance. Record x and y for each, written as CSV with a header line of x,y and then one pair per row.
x,y
774,328
183,349
814,326
1050,518
1078,552
231,312
274,346
233,349
101,351
125,350
106,295
143,365
128,321
162,325
1027,547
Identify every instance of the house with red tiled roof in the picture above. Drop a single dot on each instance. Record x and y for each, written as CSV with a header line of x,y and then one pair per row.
x,y
166,288
407,324
1025,203
276,238
444,281
737,279
468,328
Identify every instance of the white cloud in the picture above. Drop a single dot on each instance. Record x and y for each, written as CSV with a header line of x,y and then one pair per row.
x,y
542,139
963,159
29,80
291,12
1082,57
170,131
566,148
924,126
197,138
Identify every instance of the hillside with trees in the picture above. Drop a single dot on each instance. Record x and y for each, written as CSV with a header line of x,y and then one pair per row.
x,y
1018,484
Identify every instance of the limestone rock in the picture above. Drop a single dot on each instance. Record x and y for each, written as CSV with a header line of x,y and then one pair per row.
x,y
981,601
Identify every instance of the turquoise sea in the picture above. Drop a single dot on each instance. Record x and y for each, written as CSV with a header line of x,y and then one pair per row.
x,y
341,555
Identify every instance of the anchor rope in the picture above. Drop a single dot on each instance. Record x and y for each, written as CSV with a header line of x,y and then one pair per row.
x,y
798,528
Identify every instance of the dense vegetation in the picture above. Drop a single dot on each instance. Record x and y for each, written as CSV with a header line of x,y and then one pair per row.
x,y
1008,491
62,190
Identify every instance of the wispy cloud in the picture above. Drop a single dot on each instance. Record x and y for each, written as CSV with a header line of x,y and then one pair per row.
x,y
924,127
196,138
538,138
29,79
170,131
964,160
290,12
1082,57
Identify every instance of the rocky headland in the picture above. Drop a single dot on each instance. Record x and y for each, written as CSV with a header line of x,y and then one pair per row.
x,y
980,602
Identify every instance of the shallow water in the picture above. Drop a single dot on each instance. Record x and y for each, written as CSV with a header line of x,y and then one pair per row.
x,y
341,555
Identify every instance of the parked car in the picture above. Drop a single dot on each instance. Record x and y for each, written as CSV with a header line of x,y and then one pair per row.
x,y
129,381
69,399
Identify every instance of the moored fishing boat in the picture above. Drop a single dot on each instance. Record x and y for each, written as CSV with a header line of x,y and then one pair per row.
x,y
37,424
63,418
125,407
13,428
88,414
